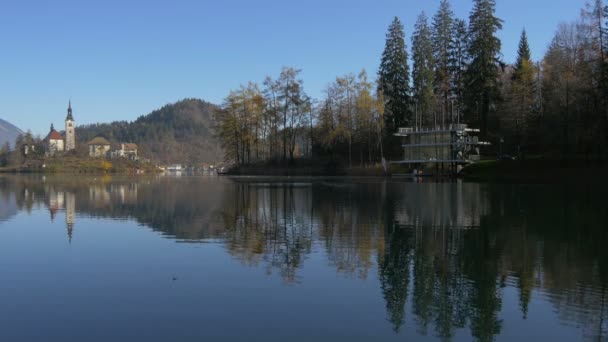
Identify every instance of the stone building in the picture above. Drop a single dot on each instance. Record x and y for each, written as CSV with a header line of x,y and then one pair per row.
x,y
99,147
54,142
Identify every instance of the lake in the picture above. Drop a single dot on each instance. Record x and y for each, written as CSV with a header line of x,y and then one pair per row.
x,y
241,259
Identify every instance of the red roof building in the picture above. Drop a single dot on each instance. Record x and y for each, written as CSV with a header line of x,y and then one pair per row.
x,y
54,135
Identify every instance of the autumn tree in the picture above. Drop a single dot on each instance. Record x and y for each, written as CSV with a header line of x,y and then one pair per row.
x,y
271,116
574,116
346,93
365,107
293,104
327,124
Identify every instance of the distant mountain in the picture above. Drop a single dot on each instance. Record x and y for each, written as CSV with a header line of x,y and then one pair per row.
x,y
8,132
177,133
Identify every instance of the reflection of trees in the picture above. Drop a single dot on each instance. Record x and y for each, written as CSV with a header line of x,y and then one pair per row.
x,y
480,265
350,224
265,223
394,274
442,250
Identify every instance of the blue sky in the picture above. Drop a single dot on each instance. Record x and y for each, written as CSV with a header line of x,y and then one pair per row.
x,y
118,60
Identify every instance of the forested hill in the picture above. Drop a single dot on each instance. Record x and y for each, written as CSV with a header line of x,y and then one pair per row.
x,y
176,133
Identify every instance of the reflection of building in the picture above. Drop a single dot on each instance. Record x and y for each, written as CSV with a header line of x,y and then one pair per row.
x,y
56,202
99,196
454,205
126,192
63,200
70,213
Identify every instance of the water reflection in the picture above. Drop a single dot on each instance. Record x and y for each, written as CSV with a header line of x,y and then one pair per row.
x,y
444,254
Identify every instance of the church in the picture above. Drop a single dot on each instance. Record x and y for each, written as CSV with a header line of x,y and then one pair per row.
x,y
55,142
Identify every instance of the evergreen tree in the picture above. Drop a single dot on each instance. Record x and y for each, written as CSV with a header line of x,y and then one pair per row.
x,y
443,23
605,64
422,72
523,51
394,79
458,62
482,73
522,92
4,153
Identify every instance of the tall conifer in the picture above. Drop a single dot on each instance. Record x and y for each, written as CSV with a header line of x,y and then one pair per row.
x,y
393,79
483,71
458,62
443,22
422,72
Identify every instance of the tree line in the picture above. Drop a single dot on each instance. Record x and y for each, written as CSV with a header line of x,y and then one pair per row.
x,y
556,107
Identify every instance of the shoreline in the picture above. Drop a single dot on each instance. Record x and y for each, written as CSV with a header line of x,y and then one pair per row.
x,y
492,170
533,170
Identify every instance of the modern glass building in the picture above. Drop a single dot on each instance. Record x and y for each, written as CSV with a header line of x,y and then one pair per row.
x,y
446,147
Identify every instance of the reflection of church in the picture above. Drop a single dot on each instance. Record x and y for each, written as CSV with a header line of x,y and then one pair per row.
x,y
60,200
102,198
70,213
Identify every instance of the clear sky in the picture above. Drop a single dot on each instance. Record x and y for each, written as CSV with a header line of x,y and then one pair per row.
x,y
118,60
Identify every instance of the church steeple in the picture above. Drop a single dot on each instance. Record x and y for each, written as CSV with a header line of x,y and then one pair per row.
x,y
70,130
69,117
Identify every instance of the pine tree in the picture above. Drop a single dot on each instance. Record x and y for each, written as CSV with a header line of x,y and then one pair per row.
x,y
482,73
605,63
458,62
443,23
604,53
394,79
422,72
523,51
522,92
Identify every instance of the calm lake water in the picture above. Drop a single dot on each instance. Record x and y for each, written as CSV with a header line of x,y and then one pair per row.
x,y
218,259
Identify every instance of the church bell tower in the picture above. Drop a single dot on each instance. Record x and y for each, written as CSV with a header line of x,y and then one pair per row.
x,y
70,134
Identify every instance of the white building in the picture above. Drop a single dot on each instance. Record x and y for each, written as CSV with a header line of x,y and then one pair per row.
x,y
127,150
54,142
99,147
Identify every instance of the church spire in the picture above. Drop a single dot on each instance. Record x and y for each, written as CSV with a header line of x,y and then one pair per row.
x,y
70,130
70,117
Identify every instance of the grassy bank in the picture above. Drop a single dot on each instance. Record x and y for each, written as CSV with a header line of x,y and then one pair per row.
x,y
81,165
535,170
